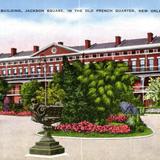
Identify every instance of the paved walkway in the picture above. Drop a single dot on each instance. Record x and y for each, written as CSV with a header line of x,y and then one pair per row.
x,y
17,135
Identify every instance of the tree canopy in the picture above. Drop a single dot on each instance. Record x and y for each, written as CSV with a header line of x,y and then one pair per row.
x,y
28,91
153,90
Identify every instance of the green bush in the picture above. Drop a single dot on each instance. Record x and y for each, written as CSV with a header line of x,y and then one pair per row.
x,y
136,123
17,107
140,128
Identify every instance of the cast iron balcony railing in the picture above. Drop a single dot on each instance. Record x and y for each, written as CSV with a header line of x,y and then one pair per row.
x,y
144,69
27,76
139,89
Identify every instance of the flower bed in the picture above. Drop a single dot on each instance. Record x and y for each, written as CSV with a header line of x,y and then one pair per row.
x,y
12,113
117,118
87,127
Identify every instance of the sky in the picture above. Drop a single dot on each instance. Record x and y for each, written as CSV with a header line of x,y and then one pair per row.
x,y
24,29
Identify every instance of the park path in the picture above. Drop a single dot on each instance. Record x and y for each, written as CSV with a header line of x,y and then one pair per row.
x,y
17,135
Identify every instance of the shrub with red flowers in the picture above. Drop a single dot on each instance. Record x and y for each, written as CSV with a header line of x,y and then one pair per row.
x,y
87,127
13,113
117,118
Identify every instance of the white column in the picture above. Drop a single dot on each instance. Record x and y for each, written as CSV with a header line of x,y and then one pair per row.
x,y
142,82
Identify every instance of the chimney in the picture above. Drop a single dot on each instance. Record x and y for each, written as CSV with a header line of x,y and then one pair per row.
x,y
117,40
35,49
61,43
149,37
13,51
87,44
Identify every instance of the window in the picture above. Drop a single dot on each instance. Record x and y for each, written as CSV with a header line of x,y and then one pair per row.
x,y
159,64
133,52
57,59
142,64
101,55
70,58
25,71
9,71
133,65
151,64
32,70
73,57
3,72
38,70
155,50
129,52
14,71
87,56
57,68
138,51
146,51
94,55
20,71
51,68
77,57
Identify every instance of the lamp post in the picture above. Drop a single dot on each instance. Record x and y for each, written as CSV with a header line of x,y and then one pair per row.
x,y
45,81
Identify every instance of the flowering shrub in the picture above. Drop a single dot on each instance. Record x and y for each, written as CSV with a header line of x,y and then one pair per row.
x,y
87,127
24,113
117,118
7,113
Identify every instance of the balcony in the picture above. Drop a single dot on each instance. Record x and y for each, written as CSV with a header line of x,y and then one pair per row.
x,y
144,70
27,77
139,89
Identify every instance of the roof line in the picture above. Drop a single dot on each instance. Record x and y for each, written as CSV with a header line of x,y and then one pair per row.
x,y
121,48
56,44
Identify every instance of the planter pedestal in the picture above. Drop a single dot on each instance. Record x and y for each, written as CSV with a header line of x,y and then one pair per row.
x,y
63,156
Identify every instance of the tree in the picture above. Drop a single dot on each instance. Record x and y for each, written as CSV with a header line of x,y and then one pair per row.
x,y
28,91
76,102
4,88
105,83
153,91
54,94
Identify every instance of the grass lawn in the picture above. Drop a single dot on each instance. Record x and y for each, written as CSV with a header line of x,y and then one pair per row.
x,y
147,131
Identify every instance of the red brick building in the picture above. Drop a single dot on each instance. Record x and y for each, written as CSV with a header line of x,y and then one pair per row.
x,y
141,55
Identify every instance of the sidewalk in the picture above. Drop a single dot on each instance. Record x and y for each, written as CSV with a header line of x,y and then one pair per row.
x,y
18,135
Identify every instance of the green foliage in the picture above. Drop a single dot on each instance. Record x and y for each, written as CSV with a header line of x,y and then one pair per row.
x,y
17,107
92,91
28,91
4,88
105,83
136,123
54,94
153,90
77,106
